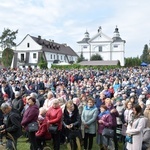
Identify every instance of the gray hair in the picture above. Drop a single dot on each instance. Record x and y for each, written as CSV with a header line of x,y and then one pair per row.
x,y
4,106
34,95
17,93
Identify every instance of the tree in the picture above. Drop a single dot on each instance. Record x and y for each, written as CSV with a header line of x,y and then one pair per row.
x,y
132,62
7,39
7,56
145,56
81,58
96,57
42,63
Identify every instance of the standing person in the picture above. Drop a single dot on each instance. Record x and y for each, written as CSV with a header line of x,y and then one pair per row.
x,y
31,115
11,125
146,141
114,113
88,118
54,117
72,123
135,129
17,103
104,120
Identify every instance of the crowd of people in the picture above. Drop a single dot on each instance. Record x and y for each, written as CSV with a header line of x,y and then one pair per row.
x,y
81,103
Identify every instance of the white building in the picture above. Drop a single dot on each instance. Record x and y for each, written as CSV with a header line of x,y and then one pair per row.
x,y
30,49
108,48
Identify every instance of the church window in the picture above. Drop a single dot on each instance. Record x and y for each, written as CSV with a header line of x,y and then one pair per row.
x,y
115,46
84,46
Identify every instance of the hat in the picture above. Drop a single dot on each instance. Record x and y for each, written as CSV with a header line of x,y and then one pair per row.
x,y
5,95
148,102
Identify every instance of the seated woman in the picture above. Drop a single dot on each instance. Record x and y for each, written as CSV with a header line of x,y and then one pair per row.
x,y
42,134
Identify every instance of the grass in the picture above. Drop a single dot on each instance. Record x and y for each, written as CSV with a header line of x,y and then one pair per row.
x,y
23,145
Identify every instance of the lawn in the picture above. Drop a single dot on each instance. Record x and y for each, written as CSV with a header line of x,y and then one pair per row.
x,y
23,145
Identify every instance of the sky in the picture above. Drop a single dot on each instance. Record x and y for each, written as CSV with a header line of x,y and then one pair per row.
x,y
66,21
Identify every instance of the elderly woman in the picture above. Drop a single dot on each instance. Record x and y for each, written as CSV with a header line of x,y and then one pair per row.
x,y
104,120
88,118
31,115
54,117
11,125
48,102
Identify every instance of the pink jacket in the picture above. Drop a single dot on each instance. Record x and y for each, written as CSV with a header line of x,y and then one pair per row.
x,y
107,122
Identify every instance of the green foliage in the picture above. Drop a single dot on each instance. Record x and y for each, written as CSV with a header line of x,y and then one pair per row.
x,y
7,38
42,63
81,58
77,66
96,57
7,56
132,62
145,57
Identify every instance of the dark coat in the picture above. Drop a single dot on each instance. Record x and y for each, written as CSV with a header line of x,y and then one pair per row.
x,y
18,104
30,115
75,119
13,124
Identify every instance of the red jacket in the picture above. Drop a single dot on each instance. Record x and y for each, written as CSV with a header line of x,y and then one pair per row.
x,y
42,131
54,116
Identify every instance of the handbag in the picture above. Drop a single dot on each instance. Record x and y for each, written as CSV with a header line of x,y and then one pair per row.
x,y
128,139
108,132
33,127
53,129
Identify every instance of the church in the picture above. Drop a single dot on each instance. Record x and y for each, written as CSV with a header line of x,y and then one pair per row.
x,y
108,48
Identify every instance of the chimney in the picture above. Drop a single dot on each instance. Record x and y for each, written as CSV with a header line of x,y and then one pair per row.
x,y
39,37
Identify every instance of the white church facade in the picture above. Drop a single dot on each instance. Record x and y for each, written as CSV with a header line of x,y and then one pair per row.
x,y
109,48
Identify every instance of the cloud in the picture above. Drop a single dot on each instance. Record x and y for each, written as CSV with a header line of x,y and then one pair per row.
x,y
66,21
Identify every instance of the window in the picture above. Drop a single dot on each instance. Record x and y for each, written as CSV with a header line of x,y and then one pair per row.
x,y
115,46
61,57
84,46
100,48
34,55
51,56
22,57
28,44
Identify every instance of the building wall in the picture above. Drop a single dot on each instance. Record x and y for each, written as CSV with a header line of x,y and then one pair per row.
x,y
109,50
28,44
